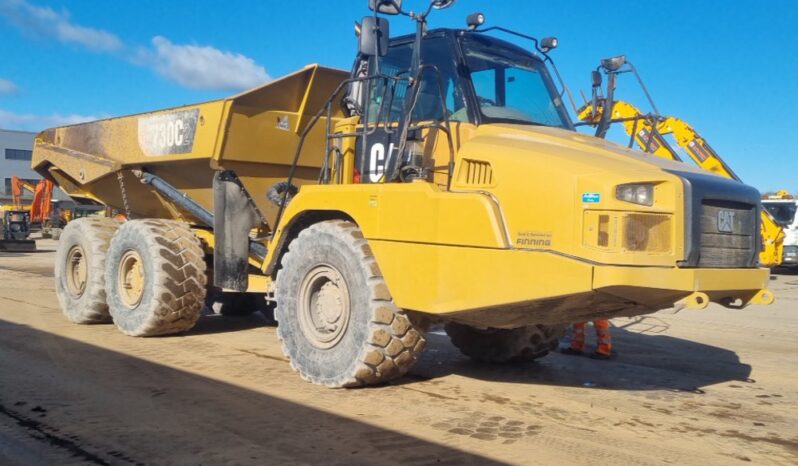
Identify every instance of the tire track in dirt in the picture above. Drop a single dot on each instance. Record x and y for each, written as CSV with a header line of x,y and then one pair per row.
x,y
220,397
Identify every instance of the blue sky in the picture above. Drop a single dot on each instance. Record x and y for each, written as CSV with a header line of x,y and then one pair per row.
x,y
729,68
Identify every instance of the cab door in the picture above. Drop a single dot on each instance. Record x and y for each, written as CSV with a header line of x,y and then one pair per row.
x,y
377,145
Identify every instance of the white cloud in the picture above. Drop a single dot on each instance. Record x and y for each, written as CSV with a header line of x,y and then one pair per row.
x,y
46,22
193,66
202,67
32,122
7,87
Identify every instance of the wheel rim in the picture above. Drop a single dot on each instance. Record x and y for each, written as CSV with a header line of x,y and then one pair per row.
x,y
323,306
77,271
130,279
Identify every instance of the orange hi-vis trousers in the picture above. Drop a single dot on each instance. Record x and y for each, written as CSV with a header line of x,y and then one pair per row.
x,y
602,327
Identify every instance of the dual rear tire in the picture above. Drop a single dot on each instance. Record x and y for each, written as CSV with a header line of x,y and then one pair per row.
x,y
148,276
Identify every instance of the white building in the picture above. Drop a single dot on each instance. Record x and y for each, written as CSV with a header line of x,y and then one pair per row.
x,y
16,148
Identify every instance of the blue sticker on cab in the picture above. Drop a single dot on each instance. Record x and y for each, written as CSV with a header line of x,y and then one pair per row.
x,y
591,198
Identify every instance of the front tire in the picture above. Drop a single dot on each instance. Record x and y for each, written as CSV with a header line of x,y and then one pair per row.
x,y
496,345
336,320
80,269
155,277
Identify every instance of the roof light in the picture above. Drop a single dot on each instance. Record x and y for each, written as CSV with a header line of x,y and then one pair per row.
x,y
475,20
548,43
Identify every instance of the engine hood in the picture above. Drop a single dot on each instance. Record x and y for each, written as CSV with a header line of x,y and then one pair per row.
x,y
584,154
549,182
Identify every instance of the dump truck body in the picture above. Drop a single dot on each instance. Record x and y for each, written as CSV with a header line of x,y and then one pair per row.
x,y
187,144
363,230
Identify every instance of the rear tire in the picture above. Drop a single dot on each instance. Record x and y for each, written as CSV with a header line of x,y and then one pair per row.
x,y
336,320
155,277
80,269
495,345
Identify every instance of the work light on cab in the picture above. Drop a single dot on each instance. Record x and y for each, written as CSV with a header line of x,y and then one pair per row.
x,y
475,20
548,43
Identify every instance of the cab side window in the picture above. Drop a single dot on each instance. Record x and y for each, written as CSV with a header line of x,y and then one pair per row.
x,y
386,97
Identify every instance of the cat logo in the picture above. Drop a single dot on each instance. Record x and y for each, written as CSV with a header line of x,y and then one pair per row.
x,y
726,221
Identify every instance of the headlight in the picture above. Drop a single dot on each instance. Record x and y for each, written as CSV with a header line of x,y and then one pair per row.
x,y
642,194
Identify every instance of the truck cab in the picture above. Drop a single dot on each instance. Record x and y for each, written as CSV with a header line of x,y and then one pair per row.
x,y
467,79
783,209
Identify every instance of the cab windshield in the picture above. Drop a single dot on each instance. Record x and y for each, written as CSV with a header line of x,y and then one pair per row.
x,y
783,212
511,85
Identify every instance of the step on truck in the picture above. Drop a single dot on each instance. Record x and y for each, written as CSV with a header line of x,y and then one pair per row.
x,y
439,182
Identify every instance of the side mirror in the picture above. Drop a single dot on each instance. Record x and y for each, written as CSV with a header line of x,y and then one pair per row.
x,y
613,63
595,78
387,7
441,4
374,36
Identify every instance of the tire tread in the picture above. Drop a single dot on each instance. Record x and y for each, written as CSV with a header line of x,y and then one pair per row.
x,y
180,281
388,352
493,345
98,232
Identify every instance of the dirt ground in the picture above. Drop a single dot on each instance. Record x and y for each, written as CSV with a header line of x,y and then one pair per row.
x,y
699,387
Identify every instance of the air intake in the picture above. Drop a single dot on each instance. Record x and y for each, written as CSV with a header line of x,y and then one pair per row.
x,y
475,173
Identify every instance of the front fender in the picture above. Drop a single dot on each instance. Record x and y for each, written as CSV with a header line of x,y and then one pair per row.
x,y
407,212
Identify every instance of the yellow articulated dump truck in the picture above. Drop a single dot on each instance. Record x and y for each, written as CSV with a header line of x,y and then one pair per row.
x,y
440,181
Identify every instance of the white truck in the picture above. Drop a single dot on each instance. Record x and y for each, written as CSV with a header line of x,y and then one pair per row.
x,y
783,207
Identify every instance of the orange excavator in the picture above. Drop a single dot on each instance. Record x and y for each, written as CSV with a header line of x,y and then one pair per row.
x,y
41,207
43,214
17,219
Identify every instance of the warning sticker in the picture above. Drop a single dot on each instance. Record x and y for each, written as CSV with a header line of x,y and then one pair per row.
x,y
591,198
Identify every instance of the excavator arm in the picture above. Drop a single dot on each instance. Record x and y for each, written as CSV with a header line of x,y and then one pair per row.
x,y
648,131
637,125
696,146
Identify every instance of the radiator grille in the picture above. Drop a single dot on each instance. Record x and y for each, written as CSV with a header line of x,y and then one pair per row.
x,y
728,234
647,232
